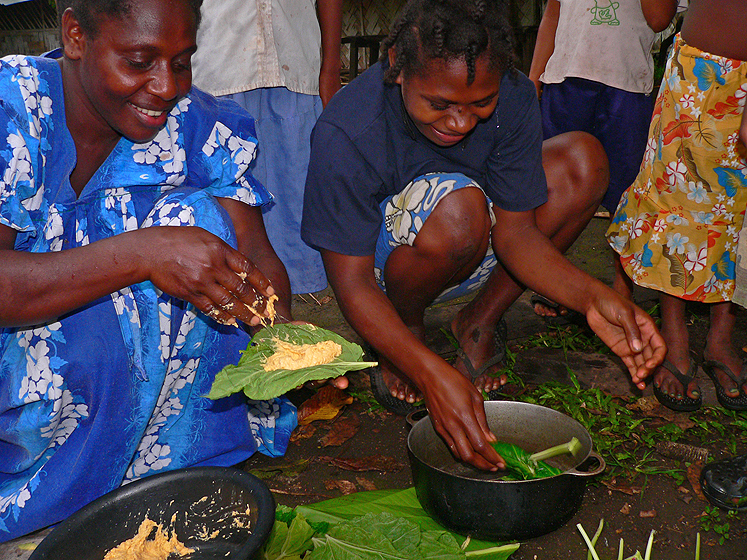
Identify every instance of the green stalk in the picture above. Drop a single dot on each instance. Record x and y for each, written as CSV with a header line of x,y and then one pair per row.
x,y
588,542
649,545
697,546
572,447
504,548
620,551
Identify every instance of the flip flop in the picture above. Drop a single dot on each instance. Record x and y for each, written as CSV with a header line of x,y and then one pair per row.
x,y
732,403
384,397
724,483
500,336
686,403
570,317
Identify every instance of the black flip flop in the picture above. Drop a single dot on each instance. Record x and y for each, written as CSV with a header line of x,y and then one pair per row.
x,y
686,403
500,336
724,483
571,317
384,397
732,403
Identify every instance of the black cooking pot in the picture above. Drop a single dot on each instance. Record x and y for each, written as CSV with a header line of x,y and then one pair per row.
x,y
477,503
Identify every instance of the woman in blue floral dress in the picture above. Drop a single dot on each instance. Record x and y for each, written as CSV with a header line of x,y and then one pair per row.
x,y
112,326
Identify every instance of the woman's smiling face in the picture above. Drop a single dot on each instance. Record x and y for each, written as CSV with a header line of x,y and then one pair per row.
x,y
136,68
441,104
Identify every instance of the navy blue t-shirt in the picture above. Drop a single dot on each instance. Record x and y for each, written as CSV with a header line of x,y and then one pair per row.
x,y
364,148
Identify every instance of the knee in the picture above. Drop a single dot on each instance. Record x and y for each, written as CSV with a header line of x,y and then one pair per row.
x,y
460,225
576,167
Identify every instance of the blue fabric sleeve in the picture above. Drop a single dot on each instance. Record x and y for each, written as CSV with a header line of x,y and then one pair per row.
x,y
226,147
23,100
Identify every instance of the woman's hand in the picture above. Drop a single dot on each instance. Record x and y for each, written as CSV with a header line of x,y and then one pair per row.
x,y
629,332
457,410
192,264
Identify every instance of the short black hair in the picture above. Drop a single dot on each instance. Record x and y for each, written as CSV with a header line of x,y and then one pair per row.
x,y
449,30
88,12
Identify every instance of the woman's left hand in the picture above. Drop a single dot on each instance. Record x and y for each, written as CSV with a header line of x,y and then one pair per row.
x,y
629,332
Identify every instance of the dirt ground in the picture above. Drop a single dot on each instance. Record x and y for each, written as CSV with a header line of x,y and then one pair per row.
x,y
364,448
320,463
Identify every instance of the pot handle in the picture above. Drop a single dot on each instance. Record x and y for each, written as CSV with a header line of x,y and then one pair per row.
x,y
593,457
416,415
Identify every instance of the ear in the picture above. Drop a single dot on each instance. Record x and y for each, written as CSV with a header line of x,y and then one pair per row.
x,y
392,57
73,38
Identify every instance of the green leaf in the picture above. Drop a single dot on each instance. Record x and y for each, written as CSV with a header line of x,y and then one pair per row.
x,y
373,536
250,376
288,542
400,503
519,462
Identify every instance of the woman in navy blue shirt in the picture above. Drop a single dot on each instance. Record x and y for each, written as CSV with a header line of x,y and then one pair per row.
x,y
426,168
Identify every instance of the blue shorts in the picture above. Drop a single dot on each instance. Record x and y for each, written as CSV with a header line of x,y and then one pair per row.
x,y
619,119
406,212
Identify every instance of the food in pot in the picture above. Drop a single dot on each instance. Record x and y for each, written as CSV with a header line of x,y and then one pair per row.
x,y
148,544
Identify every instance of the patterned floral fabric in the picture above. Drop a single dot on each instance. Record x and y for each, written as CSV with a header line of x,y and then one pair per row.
x,y
115,390
405,213
677,227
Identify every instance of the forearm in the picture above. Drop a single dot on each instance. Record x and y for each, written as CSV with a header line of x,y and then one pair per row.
x,y
538,264
545,43
367,309
659,13
329,13
40,287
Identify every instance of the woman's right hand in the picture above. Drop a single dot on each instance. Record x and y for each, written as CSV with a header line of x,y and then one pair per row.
x,y
457,410
192,264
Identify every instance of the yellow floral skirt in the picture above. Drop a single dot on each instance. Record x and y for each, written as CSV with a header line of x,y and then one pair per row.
x,y
677,227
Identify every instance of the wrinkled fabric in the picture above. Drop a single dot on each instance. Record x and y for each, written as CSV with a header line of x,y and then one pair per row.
x,y
677,227
114,391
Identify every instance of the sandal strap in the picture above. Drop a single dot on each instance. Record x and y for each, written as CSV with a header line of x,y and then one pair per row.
x,y
715,364
685,379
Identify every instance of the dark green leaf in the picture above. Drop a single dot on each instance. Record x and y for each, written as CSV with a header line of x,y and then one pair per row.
x,y
519,463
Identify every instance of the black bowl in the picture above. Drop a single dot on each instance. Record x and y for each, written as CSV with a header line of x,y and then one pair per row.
x,y
219,512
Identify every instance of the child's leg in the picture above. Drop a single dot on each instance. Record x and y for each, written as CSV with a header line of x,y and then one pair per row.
x,y
674,331
622,125
576,169
622,283
719,346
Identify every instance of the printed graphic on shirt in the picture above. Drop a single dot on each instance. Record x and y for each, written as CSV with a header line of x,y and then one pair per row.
x,y
605,12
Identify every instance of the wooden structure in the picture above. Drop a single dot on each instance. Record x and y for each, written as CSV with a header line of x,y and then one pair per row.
x,y
363,21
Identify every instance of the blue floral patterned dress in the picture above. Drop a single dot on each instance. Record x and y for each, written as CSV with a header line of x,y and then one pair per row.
x,y
115,390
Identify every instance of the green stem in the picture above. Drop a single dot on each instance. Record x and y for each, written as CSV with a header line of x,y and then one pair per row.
x,y
572,447
588,542
504,548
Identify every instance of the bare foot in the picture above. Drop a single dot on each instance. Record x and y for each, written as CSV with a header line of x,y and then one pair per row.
x,y
669,384
544,307
400,387
478,345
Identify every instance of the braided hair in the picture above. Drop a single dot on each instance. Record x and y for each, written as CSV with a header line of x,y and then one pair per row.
x,y
449,30
88,12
